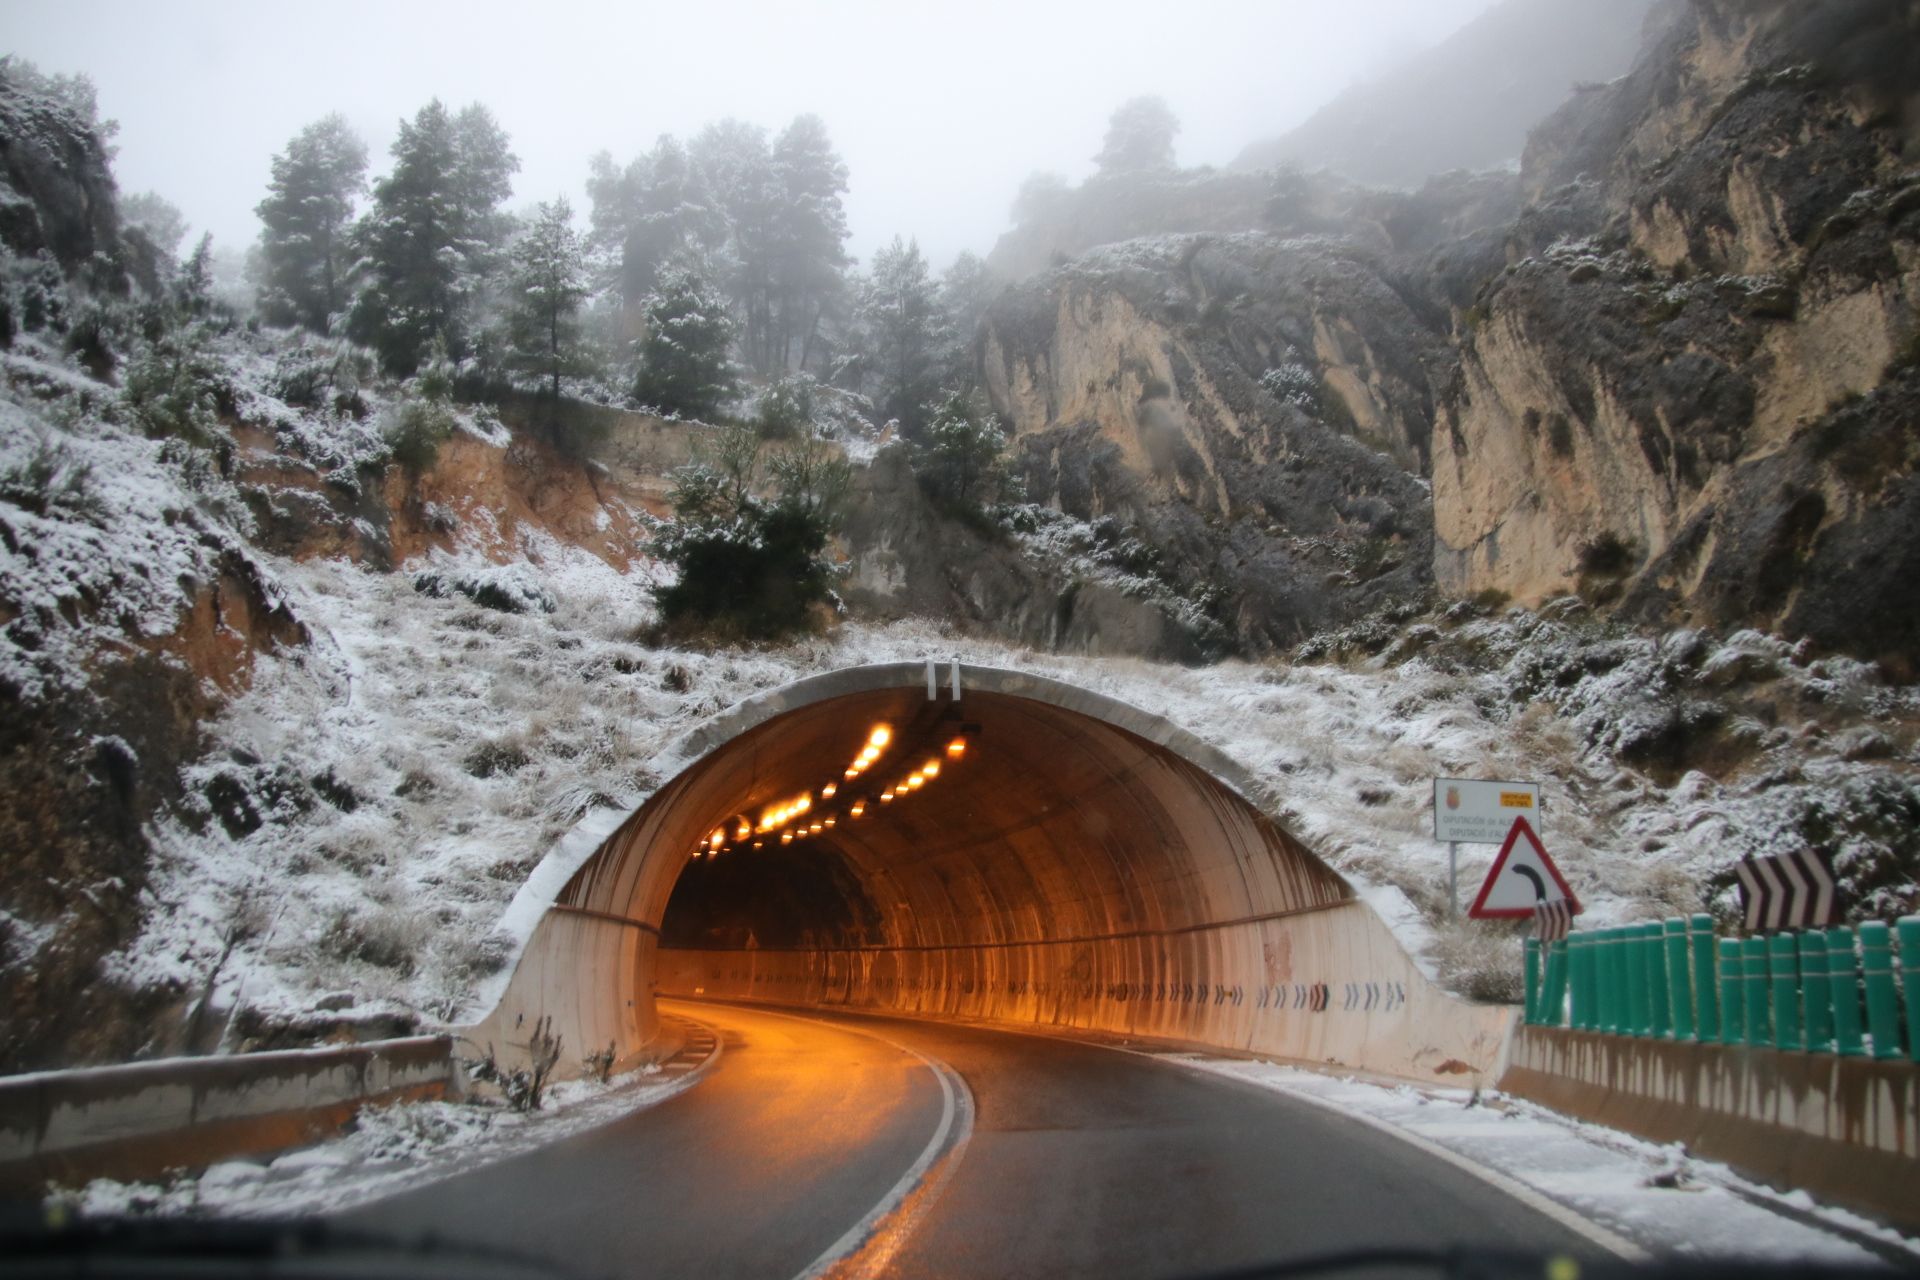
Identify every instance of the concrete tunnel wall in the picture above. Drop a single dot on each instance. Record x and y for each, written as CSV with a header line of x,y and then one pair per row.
x,y
1085,865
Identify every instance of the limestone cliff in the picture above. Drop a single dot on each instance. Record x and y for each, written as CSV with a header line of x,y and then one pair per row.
x,y
1691,385
1254,407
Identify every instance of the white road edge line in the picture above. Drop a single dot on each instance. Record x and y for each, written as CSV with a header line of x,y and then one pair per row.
x,y
1565,1215
956,1112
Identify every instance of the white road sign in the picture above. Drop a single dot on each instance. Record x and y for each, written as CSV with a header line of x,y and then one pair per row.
x,y
1481,811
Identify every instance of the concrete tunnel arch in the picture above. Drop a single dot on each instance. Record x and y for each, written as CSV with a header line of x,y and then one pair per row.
x,y
1087,864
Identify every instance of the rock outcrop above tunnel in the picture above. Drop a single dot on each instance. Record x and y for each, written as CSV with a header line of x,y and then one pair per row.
x,y
1690,387
1254,407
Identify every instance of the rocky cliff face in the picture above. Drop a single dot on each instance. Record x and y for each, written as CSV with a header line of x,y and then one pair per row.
x,y
1672,366
57,195
1691,386
1254,407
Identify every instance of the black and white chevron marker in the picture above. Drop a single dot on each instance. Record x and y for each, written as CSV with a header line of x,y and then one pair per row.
x,y
1791,891
1552,920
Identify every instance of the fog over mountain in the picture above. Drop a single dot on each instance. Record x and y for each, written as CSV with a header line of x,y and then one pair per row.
x,y
939,113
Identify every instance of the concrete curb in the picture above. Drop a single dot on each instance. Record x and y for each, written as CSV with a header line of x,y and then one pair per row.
x,y
1846,1130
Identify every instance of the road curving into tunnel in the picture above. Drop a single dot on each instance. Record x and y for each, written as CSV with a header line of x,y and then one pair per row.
x,y
991,846
826,1144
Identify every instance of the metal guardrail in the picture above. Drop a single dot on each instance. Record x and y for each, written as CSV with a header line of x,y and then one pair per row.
x,y
1674,980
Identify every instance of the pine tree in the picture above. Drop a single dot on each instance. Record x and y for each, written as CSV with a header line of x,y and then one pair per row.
x,y
1139,137
161,219
433,233
195,285
808,255
959,460
549,283
309,206
905,333
966,288
738,167
656,211
685,363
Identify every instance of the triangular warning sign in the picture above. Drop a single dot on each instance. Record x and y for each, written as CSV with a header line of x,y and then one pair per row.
x,y
1523,876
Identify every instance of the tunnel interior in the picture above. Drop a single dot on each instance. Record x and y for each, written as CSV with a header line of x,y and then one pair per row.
x,y
1029,852
889,820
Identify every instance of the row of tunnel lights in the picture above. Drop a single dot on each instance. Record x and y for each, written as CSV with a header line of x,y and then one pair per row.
x,y
781,818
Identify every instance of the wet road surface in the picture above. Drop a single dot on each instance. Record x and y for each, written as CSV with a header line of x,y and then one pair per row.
x,y
1079,1160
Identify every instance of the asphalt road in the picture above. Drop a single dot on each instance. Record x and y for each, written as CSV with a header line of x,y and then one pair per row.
x,y
1079,1161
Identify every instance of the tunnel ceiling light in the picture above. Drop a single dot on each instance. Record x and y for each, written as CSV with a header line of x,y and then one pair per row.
x,y
931,769
786,837
758,843
829,791
916,782
957,748
886,796
880,736
859,808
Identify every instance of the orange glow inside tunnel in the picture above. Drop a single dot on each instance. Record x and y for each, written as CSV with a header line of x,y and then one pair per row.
x,y
1034,853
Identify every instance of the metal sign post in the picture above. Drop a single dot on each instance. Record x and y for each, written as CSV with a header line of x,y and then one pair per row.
x,y
1453,879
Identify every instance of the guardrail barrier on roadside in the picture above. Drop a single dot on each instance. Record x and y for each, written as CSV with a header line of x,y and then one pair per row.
x,y
1801,991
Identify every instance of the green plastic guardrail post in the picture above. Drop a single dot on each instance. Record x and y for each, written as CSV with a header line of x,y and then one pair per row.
x,y
1733,994
1553,1001
1576,979
1607,964
1659,992
1636,979
1531,1008
1816,991
1843,981
1908,927
1587,993
1783,964
1753,964
1706,987
1883,1006
1681,987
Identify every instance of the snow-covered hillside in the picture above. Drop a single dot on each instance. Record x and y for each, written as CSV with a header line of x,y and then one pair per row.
x,y
370,796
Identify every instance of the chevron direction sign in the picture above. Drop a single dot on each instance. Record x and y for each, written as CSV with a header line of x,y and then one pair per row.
x,y
1791,891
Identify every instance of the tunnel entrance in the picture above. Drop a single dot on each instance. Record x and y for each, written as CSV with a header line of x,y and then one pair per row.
x,y
1026,852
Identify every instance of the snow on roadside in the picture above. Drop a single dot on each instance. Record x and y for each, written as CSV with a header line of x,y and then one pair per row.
x,y
1659,1197
391,1149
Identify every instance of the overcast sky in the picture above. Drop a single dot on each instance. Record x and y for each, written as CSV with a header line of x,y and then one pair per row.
x,y
939,111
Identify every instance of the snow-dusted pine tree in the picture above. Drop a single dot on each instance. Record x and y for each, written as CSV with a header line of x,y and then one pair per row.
x,y
305,217
906,334
685,361
548,284
809,254
433,233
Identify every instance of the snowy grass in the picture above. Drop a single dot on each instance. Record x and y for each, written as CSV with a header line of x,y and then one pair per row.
x,y
390,1149
1657,1196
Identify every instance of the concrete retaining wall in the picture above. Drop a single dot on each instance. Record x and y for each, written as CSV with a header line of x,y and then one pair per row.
x,y
1844,1129
141,1119
1327,987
